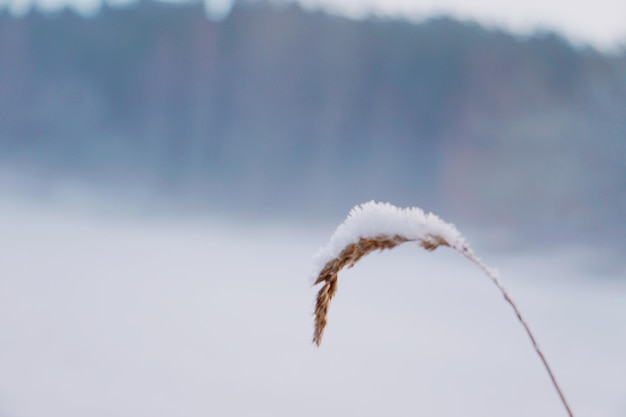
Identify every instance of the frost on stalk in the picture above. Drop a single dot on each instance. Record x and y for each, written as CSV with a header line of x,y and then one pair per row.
x,y
374,220
378,226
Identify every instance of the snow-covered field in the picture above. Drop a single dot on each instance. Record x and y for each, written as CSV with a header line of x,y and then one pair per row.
x,y
105,316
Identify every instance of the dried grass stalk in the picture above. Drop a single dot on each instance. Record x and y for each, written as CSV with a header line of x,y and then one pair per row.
x,y
429,240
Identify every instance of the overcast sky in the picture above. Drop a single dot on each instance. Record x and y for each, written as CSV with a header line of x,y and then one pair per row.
x,y
601,23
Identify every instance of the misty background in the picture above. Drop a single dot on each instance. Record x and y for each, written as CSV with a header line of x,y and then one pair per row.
x,y
280,112
167,174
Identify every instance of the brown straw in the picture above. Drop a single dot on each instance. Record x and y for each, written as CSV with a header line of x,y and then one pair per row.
x,y
353,252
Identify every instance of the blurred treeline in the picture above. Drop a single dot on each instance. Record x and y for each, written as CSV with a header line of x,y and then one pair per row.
x,y
279,110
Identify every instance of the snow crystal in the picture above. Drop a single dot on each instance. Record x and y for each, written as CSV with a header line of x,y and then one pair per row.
x,y
373,219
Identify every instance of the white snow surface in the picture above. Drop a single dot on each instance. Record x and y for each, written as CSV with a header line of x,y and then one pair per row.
x,y
373,219
103,316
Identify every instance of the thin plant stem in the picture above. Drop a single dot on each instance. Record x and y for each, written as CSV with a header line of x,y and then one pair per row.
x,y
494,277
355,251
